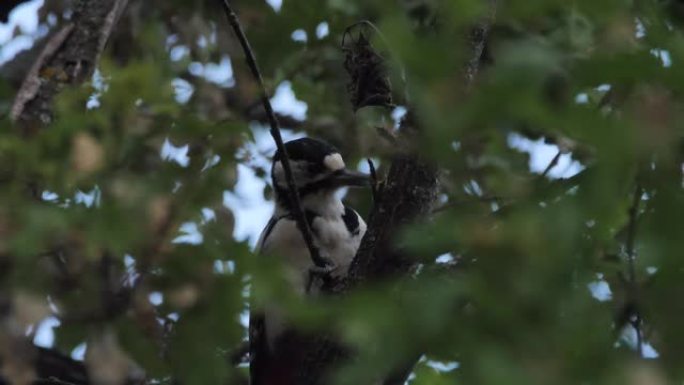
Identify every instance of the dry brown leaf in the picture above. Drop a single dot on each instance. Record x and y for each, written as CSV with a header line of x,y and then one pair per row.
x,y
87,155
184,296
106,362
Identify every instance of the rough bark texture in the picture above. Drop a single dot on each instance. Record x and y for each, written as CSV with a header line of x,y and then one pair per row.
x,y
69,58
409,193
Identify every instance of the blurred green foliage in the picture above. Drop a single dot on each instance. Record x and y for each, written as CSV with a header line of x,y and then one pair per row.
x,y
505,269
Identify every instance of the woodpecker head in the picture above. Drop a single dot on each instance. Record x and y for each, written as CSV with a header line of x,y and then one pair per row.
x,y
317,168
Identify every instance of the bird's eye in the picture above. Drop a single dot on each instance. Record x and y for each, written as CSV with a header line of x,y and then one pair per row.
x,y
315,168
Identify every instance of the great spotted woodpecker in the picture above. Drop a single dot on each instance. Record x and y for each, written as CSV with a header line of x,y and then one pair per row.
x,y
319,171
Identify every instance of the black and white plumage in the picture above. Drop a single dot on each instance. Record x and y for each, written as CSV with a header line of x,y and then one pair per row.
x,y
319,171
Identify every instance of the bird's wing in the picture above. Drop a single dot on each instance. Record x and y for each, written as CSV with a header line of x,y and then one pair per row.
x,y
266,367
258,349
353,221
265,233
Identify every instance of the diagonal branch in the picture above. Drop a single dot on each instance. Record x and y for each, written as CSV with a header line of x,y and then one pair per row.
x,y
70,57
275,132
552,164
31,85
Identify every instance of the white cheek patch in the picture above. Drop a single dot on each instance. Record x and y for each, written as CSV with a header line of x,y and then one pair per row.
x,y
333,162
298,172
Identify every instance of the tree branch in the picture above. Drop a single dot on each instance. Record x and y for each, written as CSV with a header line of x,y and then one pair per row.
x,y
31,85
375,189
410,191
275,133
552,164
73,61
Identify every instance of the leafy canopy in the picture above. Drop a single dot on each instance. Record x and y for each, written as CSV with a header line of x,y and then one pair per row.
x,y
521,278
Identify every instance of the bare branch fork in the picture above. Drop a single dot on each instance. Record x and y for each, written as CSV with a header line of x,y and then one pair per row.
x,y
275,133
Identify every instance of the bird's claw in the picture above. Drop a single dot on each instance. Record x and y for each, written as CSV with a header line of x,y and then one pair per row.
x,y
322,272
318,271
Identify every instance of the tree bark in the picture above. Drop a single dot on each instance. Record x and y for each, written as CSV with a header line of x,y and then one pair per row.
x,y
69,57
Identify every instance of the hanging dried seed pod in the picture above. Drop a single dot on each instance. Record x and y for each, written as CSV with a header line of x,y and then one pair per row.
x,y
369,83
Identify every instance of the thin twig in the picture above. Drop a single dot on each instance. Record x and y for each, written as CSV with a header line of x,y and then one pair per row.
x,y
52,381
631,262
552,164
109,22
275,132
31,84
374,180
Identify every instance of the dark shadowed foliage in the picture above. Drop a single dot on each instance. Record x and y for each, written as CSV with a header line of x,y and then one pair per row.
x,y
525,227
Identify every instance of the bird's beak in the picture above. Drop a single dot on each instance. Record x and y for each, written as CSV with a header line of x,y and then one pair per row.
x,y
346,177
